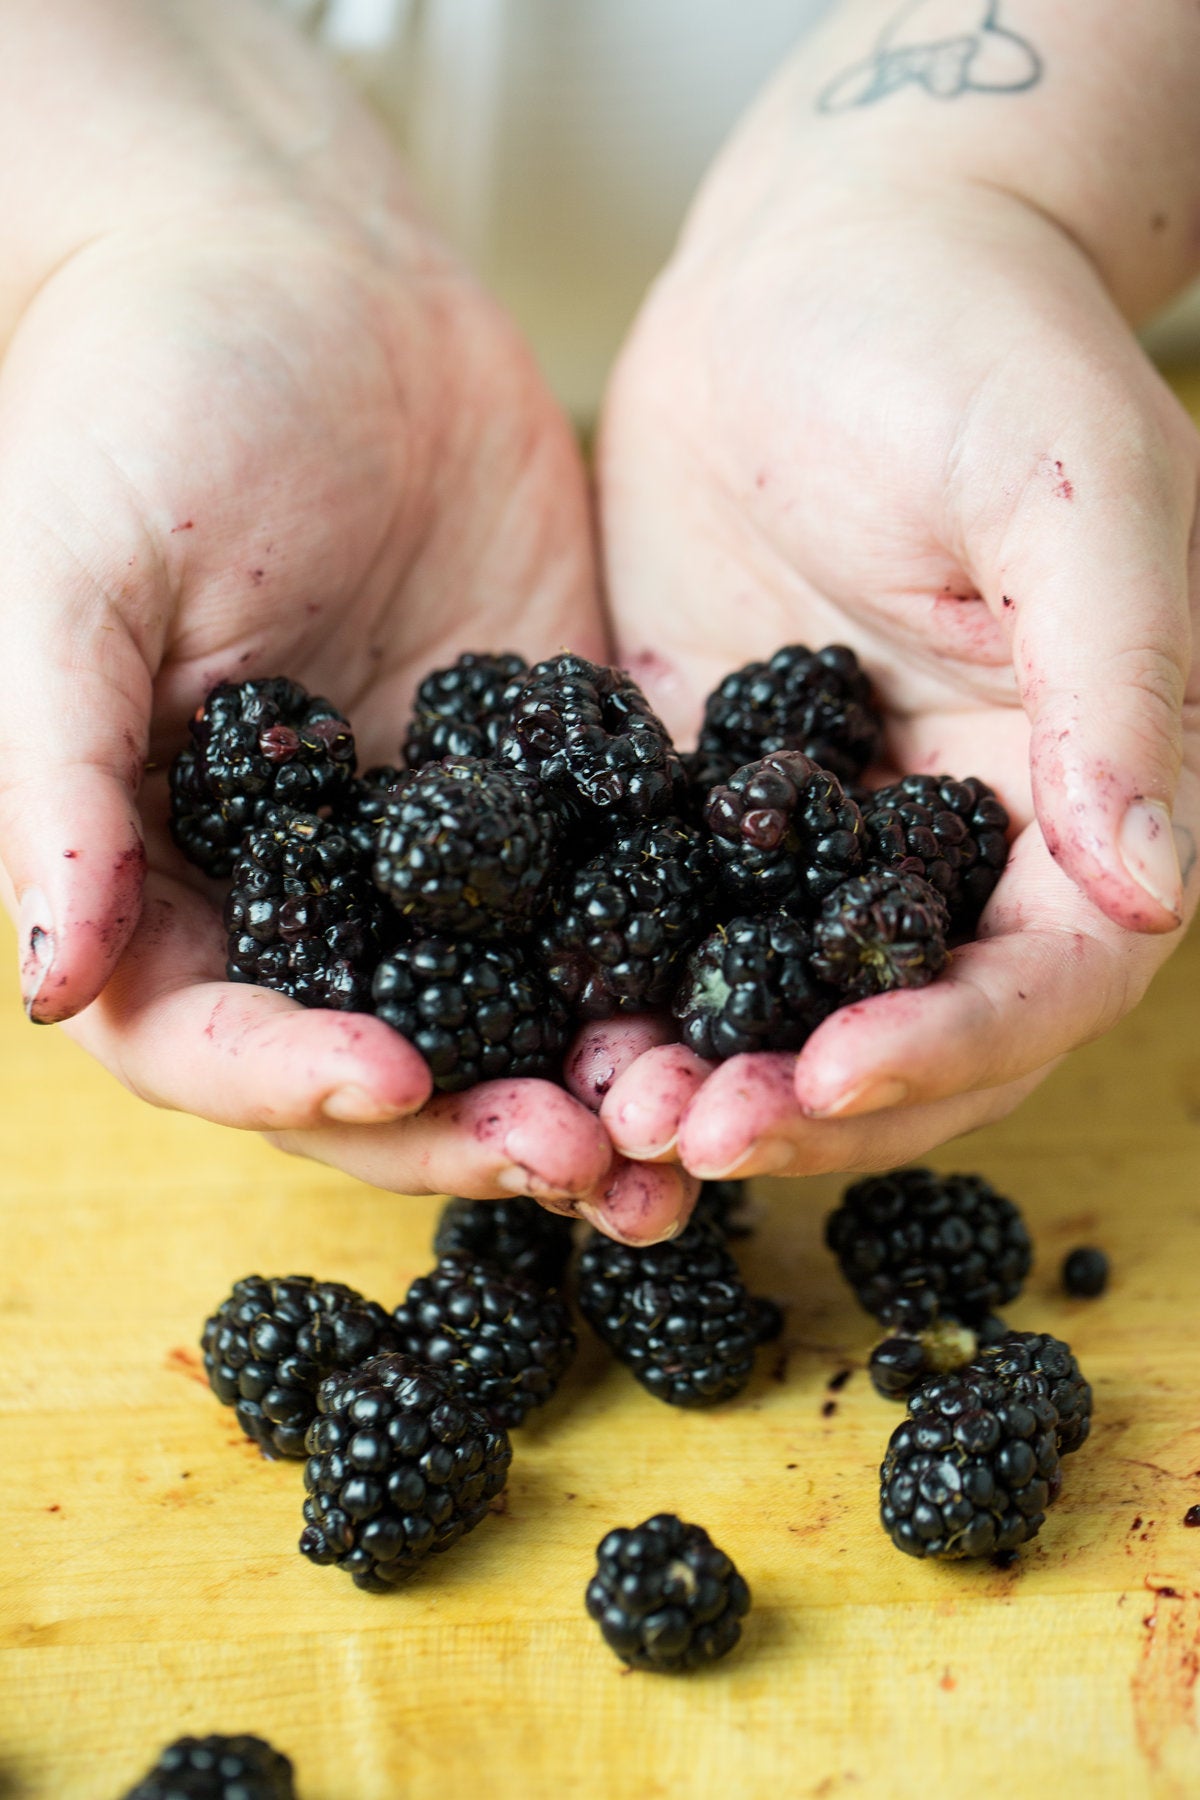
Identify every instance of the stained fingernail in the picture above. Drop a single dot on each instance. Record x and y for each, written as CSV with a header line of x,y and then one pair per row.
x,y
648,1152
352,1105
771,1156
36,927
515,1179
602,1221
866,1097
1146,845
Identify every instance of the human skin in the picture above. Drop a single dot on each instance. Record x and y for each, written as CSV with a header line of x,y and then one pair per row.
x,y
887,393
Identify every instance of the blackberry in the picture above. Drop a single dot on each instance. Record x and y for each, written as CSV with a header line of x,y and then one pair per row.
x,y
623,923
461,711
951,833
879,932
301,916
719,1205
1085,1272
217,1768
199,825
361,812
898,1364
665,1598
1031,1362
475,1011
269,1345
784,833
818,702
518,1236
749,986
970,1471
400,1467
676,1314
768,1319
589,734
915,1245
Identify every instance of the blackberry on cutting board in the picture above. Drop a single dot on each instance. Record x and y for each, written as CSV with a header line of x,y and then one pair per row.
x,y
621,925
818,702
361,812
1085,1272
898,1364
878,932
461,710
399,1468
784,833
270,1344
954,834
665,1597
518,1236
466,848
749,986
475,1011
218,1768
915,1245
301,915
1032,1362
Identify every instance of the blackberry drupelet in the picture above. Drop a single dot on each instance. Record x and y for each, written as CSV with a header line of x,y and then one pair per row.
x,y
461,711
465,848
676,1314
915,1245
970,1471
218,1768
818,702
270,1344
475,1011
879,932
502,1341
952,833
1085,1272
361,812
518,1236
1030,1363
301,915
400,1467
664,1596
622,924
784,833
900,1363
207,834
749,986
588,733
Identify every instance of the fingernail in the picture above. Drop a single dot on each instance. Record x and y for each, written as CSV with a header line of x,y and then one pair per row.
x,y
354,1106
1146,845
770,1157
867,1097
514,1179
597,1217
648,1152
36,927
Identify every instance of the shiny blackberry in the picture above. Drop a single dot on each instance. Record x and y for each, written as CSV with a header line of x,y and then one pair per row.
x,y
622,924
399,1468
954,834
784,833
749,986
1085,1273
879,932
818,702
207,833
361,812
475,1011
915,1245
503,1342
301,916
1031,1363
269,1345
518,1236
898,1364
218,1768
461,710
665,1598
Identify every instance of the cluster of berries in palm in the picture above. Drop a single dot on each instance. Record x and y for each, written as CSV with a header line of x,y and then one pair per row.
x,y
547,856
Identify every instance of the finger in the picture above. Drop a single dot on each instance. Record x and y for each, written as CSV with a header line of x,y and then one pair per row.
x,y
603,1051
644,1106
642,1204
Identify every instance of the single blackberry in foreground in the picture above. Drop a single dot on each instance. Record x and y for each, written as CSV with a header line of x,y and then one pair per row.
x,y
818,702
676,1314
301,916
589,734
1085,1272
1030,1363
475,1011
461,711
218,1768
518,1236
622,924
270,1344
399,1468
465,847
951,833
503,1342
879,932
361,812
664,1596
749,986
784,833
971,1472
915,1245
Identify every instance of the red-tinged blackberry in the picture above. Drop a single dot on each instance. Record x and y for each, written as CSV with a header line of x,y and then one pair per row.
x,y
879,932
622,924
218,1768
1085,1272
952,833
302,916
465,847
503,1342
676,1314
915,1245
461,711
399,1468
518,1236
476,1011
664,1596
970,1471
899,1364
270,1344
361,812
1030,1363
784,833
749,986
818,702
591,738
